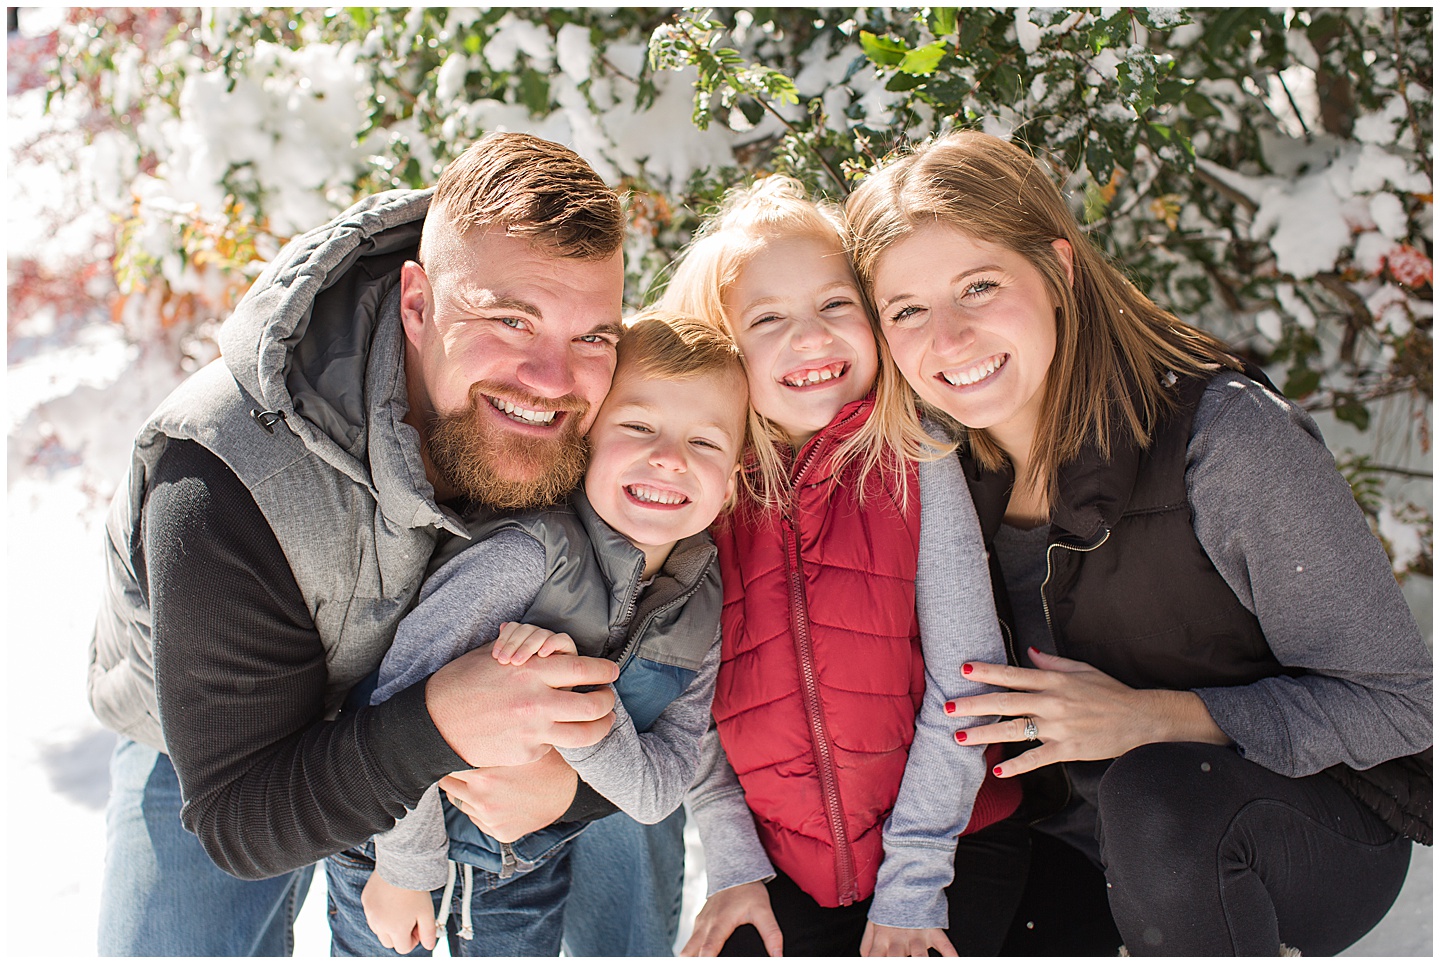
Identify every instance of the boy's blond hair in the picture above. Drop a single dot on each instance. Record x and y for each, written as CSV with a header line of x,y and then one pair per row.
x,y
777,208
665,344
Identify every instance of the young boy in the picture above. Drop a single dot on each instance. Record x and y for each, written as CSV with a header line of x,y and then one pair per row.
x,y
624,570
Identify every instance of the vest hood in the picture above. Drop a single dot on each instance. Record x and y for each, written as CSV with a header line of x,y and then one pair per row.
x,y
300,340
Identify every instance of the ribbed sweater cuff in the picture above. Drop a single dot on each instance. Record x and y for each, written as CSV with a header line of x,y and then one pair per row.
x,y
407,747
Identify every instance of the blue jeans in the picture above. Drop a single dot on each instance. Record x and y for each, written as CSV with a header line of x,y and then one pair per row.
x,y
517,917
161,894
625,900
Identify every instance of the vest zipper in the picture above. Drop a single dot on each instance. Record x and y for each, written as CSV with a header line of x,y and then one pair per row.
x,y
632,643
845,876
1045,605
847,884
1044,602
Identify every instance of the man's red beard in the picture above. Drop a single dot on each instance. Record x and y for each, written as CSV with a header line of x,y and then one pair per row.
x,y
508,470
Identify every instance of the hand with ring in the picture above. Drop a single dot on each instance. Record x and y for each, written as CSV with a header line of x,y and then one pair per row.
x,y
1085,714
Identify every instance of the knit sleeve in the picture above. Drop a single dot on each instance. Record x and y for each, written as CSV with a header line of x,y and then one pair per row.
x,y
1281,525
956,612
734,854
268,784
646,774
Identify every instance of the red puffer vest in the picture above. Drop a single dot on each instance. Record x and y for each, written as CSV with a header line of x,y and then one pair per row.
x,y
821,673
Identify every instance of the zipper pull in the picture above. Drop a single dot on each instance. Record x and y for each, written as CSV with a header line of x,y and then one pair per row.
x,y
511,864
507,862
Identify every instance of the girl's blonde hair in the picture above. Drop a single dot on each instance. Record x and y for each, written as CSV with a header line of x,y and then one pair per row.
x,y
1113,344
777,208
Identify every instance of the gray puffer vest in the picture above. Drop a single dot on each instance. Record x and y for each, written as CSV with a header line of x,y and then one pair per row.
x,y
305,406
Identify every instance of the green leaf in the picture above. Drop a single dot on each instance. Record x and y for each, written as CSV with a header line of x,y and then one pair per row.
x,y
904,82
1301,381
882,50
1350,409
535,91
941,21
923,60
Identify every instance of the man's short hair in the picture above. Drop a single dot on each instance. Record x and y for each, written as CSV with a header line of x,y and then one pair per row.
x,y
533,188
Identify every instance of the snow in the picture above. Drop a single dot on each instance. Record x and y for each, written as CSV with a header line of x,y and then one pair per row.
x,y
79,385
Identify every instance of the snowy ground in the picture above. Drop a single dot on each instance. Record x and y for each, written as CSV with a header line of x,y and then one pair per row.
x,y
76,391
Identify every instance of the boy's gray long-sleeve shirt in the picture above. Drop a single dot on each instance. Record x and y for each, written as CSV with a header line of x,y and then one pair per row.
x,y
462,605
956,611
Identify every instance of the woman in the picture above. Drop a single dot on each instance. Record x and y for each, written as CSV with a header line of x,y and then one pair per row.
x,y
1211,643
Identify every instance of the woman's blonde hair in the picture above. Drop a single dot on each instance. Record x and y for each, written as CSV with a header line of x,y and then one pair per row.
x,y
778,208
1113,345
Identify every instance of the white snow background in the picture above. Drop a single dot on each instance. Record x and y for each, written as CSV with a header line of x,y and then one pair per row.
x,y
77,389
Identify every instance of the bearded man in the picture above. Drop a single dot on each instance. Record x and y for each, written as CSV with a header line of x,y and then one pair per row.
x,y
276,523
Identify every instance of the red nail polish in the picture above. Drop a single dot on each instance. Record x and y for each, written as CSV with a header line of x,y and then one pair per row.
x,y
967,669
950,707
959,736
996,771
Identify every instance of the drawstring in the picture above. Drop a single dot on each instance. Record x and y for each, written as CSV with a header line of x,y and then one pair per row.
x,y
466,931
444,914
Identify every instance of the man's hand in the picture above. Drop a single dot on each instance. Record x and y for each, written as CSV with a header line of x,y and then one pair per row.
x,y
509,802
400,918
882,941
498,715
727,910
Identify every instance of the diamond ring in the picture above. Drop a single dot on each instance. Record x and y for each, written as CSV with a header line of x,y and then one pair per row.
x,y
1032,732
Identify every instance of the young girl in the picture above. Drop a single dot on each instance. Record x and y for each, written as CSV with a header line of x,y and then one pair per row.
x,y
1219,661
806,803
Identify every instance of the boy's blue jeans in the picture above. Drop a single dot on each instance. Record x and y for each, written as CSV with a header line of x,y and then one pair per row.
x,y
161,894
625,899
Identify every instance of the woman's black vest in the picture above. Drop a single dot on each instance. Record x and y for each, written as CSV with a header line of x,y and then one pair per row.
x,y
1130,590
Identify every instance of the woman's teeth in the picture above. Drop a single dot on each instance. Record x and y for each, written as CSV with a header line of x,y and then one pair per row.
x,y
975,373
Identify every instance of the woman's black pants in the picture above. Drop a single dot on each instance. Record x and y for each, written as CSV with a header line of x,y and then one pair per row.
x,y
1208,854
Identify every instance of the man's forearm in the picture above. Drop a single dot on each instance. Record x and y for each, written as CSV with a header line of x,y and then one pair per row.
x,y
269,785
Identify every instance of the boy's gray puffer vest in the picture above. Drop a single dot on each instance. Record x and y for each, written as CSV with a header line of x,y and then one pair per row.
x,y
592,592
305,406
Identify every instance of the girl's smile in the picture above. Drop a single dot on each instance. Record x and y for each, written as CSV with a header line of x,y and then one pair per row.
x,y
801,325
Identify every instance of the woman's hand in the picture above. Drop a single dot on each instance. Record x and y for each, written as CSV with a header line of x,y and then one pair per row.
x,y
727,910
1079,713
882,941
400,918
